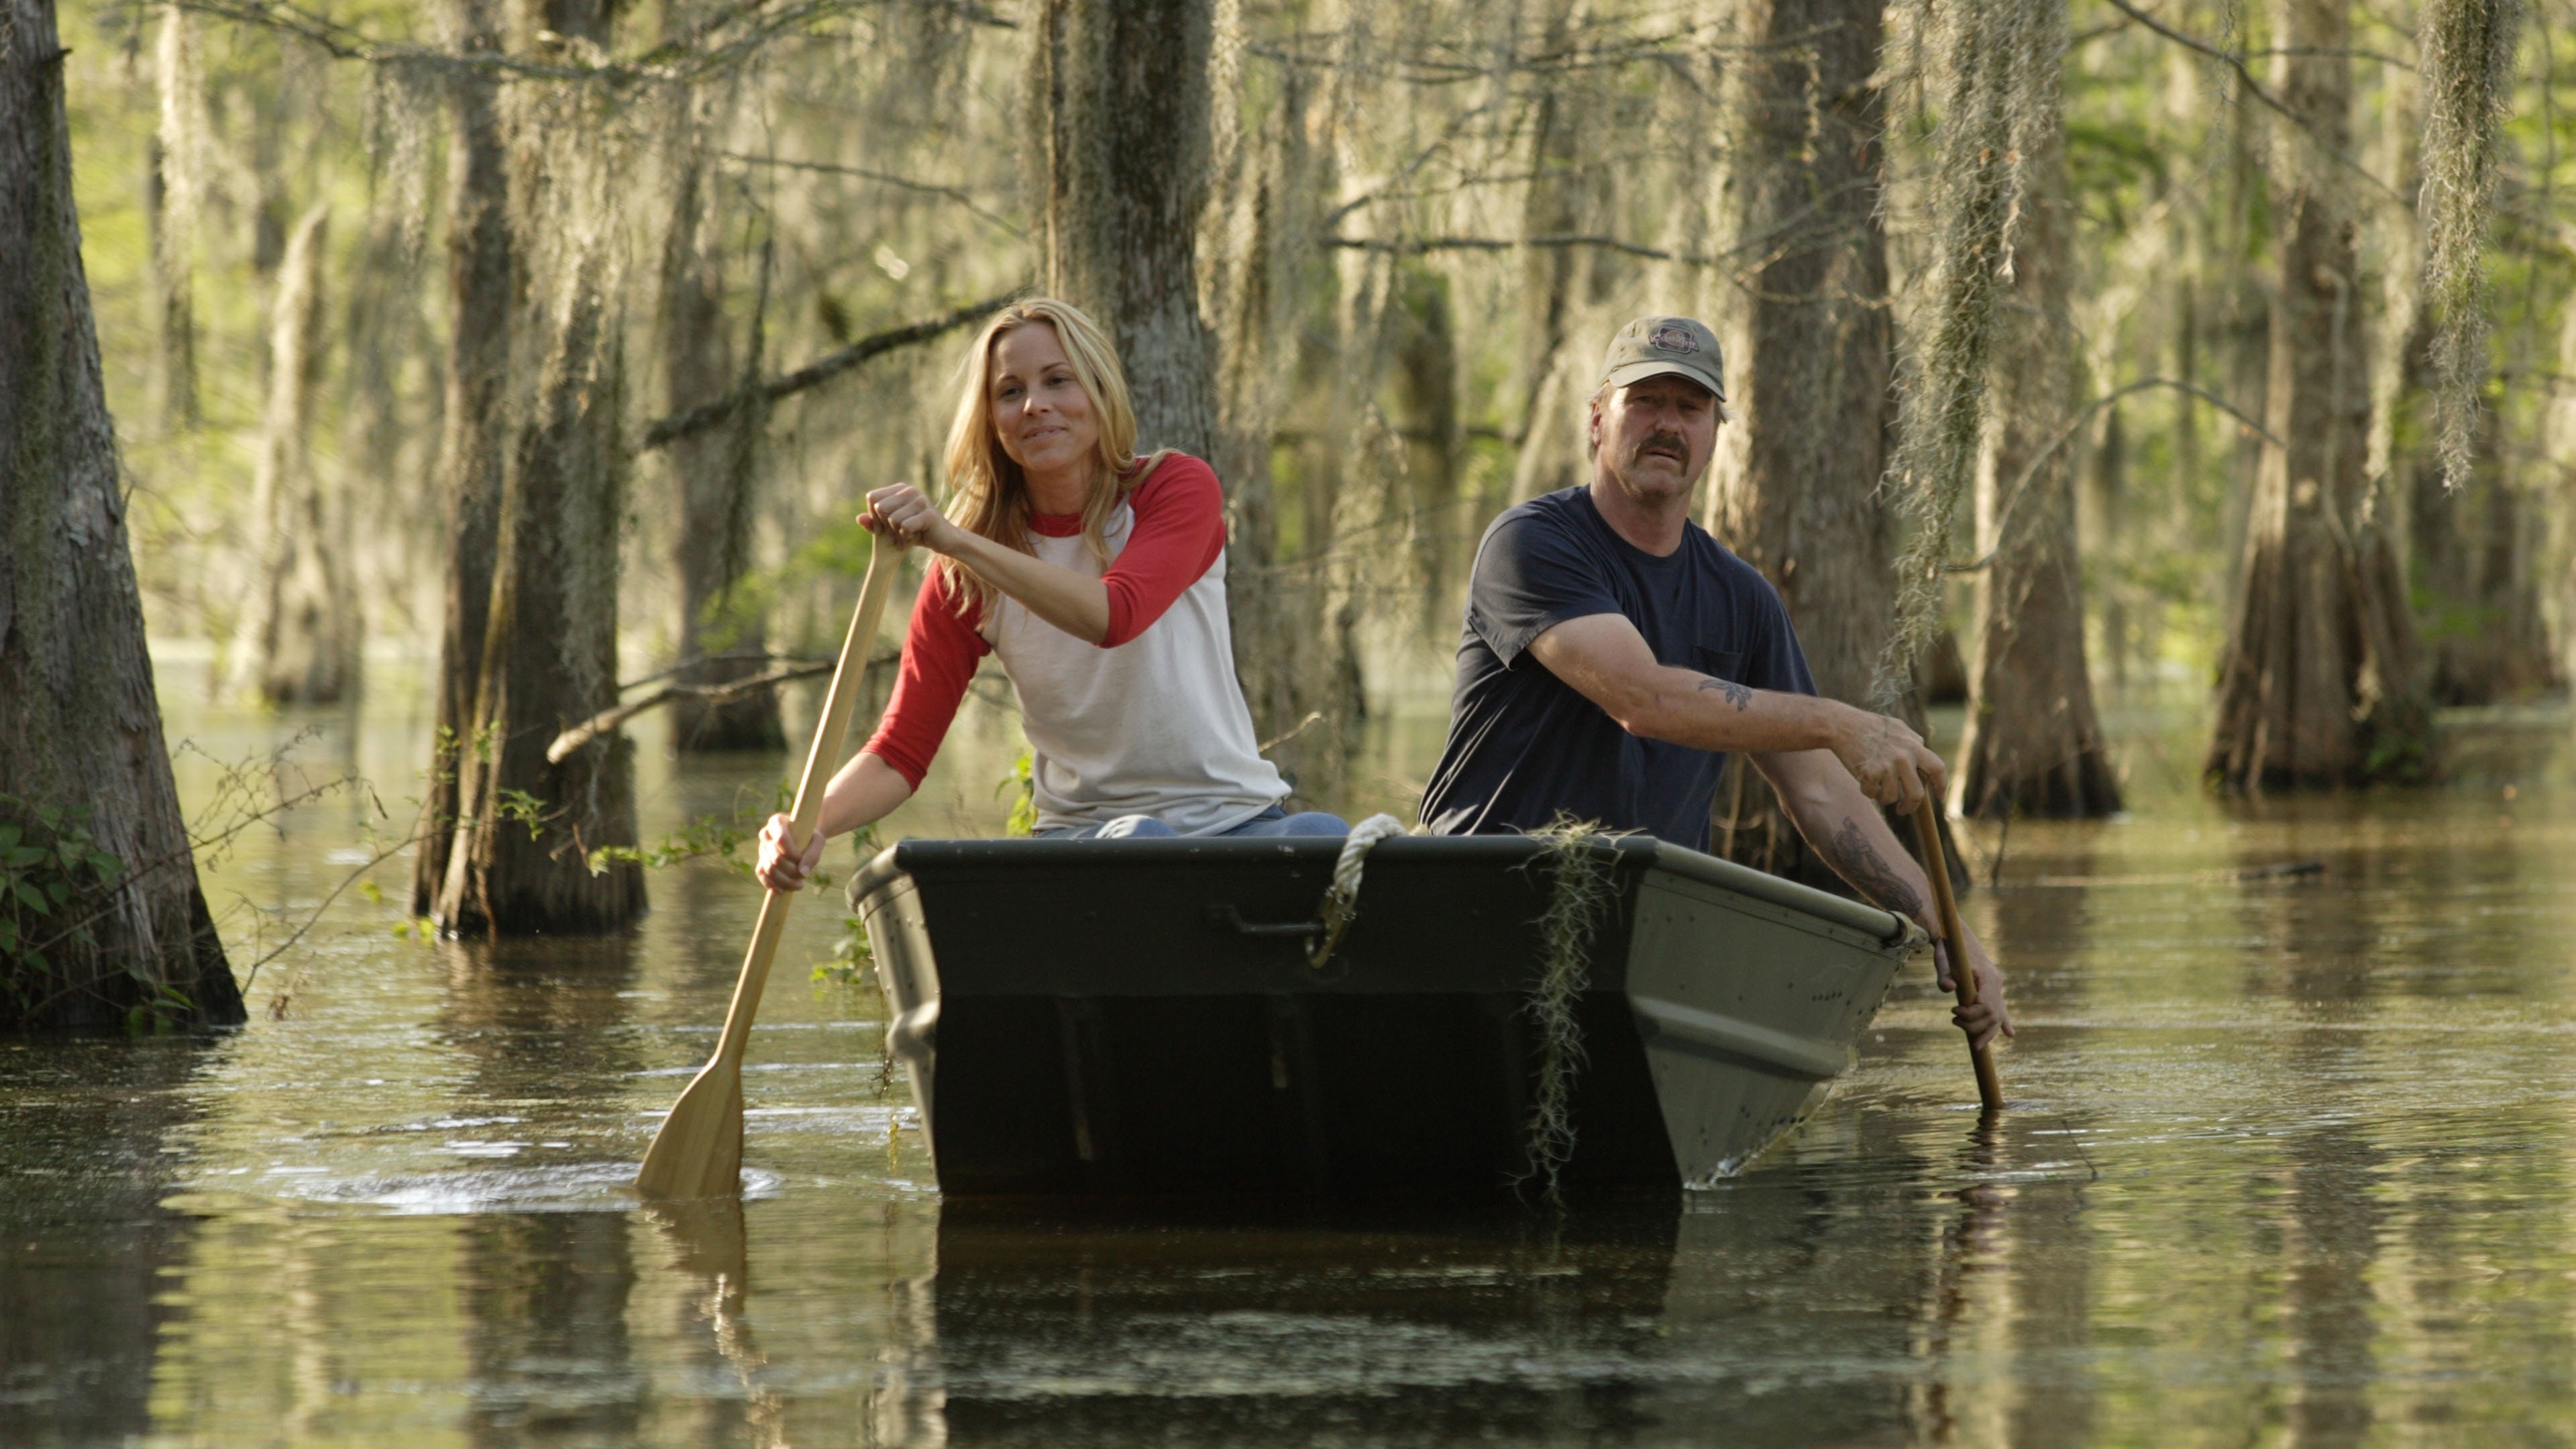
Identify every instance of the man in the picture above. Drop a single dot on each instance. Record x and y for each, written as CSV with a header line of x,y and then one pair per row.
x,y
1614,651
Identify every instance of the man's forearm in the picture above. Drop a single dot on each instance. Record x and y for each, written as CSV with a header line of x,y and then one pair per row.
x,y
1706,713
1845,828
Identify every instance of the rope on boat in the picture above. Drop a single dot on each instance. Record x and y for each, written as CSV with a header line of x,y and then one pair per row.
x,y
1580,893
1342,898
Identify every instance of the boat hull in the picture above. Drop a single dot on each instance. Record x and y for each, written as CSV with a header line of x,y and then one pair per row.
x,y
1138,1018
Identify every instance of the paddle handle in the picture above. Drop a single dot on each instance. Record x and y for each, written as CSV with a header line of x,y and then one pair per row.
x,y
1945,903
821,761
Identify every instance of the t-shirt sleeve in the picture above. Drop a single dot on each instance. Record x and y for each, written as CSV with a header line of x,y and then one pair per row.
x,y
1776,661
1179,530
940,650
1531,575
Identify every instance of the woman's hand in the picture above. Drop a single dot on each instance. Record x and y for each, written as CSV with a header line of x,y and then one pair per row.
x,y
905,514
777,870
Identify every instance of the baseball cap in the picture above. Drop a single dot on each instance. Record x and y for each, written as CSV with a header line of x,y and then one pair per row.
x,y
1655,346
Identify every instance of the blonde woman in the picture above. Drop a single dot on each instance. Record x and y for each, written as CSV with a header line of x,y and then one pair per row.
x,y
1098,578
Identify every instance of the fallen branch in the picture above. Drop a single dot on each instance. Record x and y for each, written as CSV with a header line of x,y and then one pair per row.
x,y
706,415
609,719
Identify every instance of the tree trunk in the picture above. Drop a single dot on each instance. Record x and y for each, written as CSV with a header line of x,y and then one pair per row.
x,y
711,472
2320,684
299,638
1120,92
519,863
1425,378
80,724
172,190
1797,499
1259,300
2032,745
483,287
1561,200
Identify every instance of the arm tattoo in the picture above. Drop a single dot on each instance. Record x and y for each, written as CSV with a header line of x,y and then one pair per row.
x,y
1736,694
1859,862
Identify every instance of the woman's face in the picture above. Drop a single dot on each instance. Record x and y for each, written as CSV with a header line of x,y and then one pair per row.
x,y
1039,408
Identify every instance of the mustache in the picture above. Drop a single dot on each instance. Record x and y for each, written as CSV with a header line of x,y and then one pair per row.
x,y
1679,445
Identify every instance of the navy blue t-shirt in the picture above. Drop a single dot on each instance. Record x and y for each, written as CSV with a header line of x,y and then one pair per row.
x,y
1524,747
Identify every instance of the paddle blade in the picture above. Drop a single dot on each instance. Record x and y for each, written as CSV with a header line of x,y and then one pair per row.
x,y
698,1152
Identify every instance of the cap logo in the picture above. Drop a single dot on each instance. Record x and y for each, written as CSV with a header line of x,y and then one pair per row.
x,y
1669,338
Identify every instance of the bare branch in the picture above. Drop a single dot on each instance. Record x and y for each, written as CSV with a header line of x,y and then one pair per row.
x,y
664,431
953,193
2253,87
609,719
2013,495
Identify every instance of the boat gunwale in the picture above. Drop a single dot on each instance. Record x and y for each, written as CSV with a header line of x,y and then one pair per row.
x,y
1637,853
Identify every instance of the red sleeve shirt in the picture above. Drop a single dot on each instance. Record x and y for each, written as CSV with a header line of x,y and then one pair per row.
x,y
1178,531
940,649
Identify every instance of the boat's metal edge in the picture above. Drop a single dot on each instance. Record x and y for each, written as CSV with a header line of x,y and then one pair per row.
x,y
1885,927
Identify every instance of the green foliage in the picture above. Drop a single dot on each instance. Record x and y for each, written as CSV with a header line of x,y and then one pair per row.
x,y
853,961
1024,805
523,807
54,881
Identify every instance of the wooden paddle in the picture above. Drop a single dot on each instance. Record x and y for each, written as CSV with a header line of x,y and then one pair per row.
x,y
698,1152
1927,828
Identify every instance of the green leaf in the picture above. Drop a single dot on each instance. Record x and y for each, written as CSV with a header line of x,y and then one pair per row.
x,y
23,855
59,891
8,836
33,899
8,934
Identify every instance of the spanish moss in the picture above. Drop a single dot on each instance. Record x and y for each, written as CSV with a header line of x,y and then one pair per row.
x,y
2468,51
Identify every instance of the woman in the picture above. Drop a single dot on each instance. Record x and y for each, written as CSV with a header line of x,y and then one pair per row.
x,y
1099,579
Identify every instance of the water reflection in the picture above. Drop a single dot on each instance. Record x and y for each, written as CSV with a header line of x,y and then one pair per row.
x,y
2291,1160
84,1239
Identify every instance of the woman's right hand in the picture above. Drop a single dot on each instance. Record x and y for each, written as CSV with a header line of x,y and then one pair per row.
x,y
906,515
779,871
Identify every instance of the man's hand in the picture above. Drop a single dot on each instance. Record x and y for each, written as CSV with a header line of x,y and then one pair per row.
x,y
777,869
1989,1017
1891,762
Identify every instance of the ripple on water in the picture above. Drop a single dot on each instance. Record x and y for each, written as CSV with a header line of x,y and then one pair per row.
x,y
577,1187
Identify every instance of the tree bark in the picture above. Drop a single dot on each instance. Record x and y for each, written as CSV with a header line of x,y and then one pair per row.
x,y
172,190
483,286
711,473
2320,685
2032,744
1425,389
519,863
1794,489
299,638
1120,92
1562,199
80,723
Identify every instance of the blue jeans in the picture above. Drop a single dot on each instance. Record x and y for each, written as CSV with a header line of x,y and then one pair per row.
x,y
1274,821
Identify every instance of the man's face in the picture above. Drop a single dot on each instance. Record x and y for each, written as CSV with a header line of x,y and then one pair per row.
x,y
1656,435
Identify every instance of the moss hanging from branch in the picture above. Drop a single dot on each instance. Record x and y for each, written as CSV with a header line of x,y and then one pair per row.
x,y
2468,48
1997,65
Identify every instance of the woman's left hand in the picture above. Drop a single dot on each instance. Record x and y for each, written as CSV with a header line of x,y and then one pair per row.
x,y
905,514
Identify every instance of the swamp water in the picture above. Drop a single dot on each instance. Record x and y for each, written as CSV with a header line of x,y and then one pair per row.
x,y
2292,1159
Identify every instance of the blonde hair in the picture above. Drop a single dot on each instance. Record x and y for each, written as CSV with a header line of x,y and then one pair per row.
x,y
988,495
